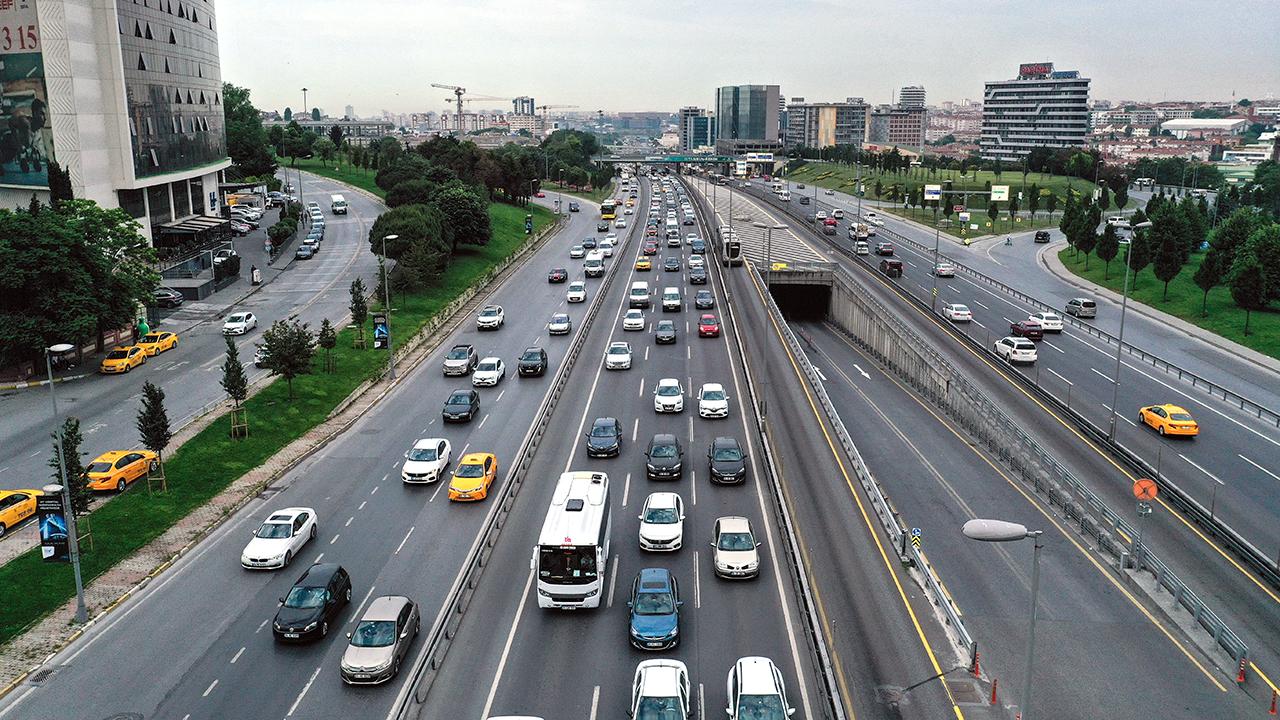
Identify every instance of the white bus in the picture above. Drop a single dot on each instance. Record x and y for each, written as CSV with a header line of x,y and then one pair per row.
x,y
573,548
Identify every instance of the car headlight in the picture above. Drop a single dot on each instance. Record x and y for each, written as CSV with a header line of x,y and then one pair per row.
x,y
593,593
651,467
310,627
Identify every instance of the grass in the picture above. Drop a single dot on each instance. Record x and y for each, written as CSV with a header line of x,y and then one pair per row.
x,y
844,177
206,464
341,172
1002,225
1223,316
594,196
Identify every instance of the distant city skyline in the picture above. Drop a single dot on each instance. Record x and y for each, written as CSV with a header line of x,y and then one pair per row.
x,y
1229,55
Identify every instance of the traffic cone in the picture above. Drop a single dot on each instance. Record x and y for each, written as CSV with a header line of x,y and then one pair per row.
x,y
1240,675
1273,702
996,682
977,665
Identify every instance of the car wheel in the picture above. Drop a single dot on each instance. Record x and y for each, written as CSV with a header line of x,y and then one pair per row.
x,y
120,484
153,466
395,667
313,532
288,558
1160,430
1142,419
348,596
3,529
324,629
417,625
127,368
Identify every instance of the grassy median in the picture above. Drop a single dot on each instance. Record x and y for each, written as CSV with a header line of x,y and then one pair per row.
x,y
595,196
334,170
210,461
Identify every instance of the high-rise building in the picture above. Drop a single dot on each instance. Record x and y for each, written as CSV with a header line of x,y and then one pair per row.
x,y
747,119
697,128
911,96
524,105
1041,108
819,124
897,125
134,115
349,112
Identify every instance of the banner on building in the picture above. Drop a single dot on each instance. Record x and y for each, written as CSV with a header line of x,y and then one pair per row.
x,y
53,528
26,137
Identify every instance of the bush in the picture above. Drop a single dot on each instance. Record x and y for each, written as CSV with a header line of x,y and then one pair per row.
x,y
230,267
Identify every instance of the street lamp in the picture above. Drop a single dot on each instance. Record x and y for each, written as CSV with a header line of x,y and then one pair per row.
x,y
386,292
304,101
73,540
1124,306
768,279
1001,531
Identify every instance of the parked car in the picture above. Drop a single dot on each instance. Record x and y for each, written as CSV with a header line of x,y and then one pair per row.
x,y
167,297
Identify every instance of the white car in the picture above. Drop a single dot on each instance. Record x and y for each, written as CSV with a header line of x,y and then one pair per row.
x,y
874,219
633,320
560,324
489,372
280,538
944,269
239,323
618,356
606,247
662,522
756,690
628,211
577,292
820,216
612,237
491,317
688,239
837,214
577,252
1016,350
956,312
660,691
620,223
735,554
697,261
668,396
1049,322
424,463
712,401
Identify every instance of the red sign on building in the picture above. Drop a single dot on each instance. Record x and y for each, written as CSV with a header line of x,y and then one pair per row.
x,y
1030,69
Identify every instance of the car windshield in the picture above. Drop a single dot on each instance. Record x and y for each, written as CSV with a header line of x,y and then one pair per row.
x,y
305,597
666,325
1180,416
712,394
152,337
653,603
559,318
470,470
275,531
459,399
99,467
668,390
489,312
761,707
235,319
486,366
736,541
619,350
374,633
728,453
531,355
659,708
661,516
422,454
458,354
603,431
117,354
663,451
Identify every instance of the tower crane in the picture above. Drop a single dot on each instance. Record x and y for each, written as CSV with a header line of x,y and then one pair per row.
x,y
545,108
458,93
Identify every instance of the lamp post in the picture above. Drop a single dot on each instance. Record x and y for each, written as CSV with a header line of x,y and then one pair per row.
x,y
304,102
1124,306
768,279
937,240
1001,531
64,485
386,294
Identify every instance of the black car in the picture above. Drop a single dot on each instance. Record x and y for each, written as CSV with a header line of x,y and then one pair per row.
x,y
892,268
1042,236
605,438
665,334
314,601
664,458
697,276
557,275
804,199
461,406
704,300
698,247
304,252
671,264
589,244
533,361
728,461
602,226
167,297
573,206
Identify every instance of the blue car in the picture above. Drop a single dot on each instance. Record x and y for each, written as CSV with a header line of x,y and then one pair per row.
x,y
655,610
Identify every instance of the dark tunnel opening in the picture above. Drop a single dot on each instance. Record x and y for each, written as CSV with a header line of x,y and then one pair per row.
x,y
802,302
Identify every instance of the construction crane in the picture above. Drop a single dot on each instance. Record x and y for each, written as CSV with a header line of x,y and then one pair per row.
x,y
545,108
458,93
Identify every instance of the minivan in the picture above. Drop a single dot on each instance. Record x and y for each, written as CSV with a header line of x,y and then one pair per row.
x,y
639,296
338,204
593,264
671,300
1082,308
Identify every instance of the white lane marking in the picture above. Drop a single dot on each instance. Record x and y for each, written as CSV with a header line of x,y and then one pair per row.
x,y
405,540
360,607
1104,377
17,700
504,392
384,477
335,538
362,504
613,580
595,702
646,357
374,490
1193,464
819,371
641,393
209,689
1046,343
348,522
688,353
981,304
482,421
697,582
260,626
1108,408
506,648
318,558
975,322
1059,376
862,372
702,703
303,694
690,428
1277,477
238,654
626,489
635,429
439,486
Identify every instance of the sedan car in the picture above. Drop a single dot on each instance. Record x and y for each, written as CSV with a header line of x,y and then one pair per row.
x,y
633,320
489,372
380,641
728,463
315,600
577,252
621,222
756,690
279,539
491,317
1016,350
304,252
873,219
605,438
664,458
662,522
665,333
704,300
1169,420
884,248
115,469
557,275
643,264
560,324
533,361
956,312
122,360
239,323
735,554
461,406
16,506
650,248
697,262
671,264
660,691
577,292
944,269
426,461
1048,321
606,247
1027,329
602,226
618,356
589,243
473,477
655,610
708,326
697,276
712,401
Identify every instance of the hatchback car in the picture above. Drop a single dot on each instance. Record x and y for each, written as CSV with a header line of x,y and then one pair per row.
x,y
1169,420
704,300
618,356
665,333
606,248
697,276
662,522
757,691
239,323
426,460
668,396
380,641
557,275
708,326
279,539
533,362
122,360
728,463
655,610
315,600
489,372
956,312
589,243
116,469
712,401
664,458
1048,321
602,226
1027,329
735,554
633,320
605,438
461,406
577,292
473,477
660,690
491,317
1016,350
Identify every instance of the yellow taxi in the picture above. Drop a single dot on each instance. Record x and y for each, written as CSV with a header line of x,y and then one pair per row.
x,y
643,264
631,202
473,477
16,506
158,342
1169,420
116,469
122,359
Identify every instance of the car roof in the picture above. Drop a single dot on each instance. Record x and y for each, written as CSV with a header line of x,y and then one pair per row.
x,y
319,573
663,439
712,386
428,442
1170,407
475,458
652,576
734,523
386,607
755,675
491,358
661,677
7,493
605,421
725,442
661,500
619,345
669,381
288,514
111,455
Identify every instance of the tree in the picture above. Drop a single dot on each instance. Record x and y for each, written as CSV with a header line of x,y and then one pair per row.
x,y
247,141
1139,254
72,464
1086,241
467,214
1108,247
1051,204
879,189
1248,285
290,347
327,339
1070,223
1169,259
336,135
412,192
402,169
288,114
422,265
1104,197
1264,244
1121,196
275,136
297,143
315,114
325,148
1033,200
1013,209
1207,277
399,228
993,212
359,308
153,427
59,185
236,385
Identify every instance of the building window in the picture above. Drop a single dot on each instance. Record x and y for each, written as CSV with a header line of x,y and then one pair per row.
x,y
142,62
182,199
173,39
158,202
148,34
133,202
196,192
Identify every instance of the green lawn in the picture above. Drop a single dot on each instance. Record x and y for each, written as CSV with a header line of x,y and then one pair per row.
x,y
594,196
209,462
1184,301
341,172
1002,225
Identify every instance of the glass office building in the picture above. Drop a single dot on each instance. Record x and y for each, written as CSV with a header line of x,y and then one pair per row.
x,y
747,119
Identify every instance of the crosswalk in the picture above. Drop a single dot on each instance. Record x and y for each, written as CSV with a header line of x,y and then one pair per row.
x,y
786,246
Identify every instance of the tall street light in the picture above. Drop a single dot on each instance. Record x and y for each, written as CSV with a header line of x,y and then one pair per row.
x,y
1001,531
1124,306
304,102
768,279
64,484
386,292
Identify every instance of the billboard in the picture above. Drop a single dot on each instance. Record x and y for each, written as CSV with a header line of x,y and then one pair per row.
x,y
53,528
26,137
759,157
999,193
1028,69
932,192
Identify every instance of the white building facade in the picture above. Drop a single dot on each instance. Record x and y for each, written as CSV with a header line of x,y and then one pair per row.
x,y
1041,108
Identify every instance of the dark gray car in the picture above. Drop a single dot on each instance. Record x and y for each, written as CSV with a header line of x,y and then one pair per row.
x,y
605,438
665,333
704,300
664,458
728,461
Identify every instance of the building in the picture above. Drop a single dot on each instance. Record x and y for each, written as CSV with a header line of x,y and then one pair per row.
x,y
126,97
349,112
747,119
1041,108
1183,128
524,105
356,131
911,96
824,124
897,125
696,129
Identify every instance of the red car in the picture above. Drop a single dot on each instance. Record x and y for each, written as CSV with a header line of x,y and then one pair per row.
x,y
557,275
1027,329
540,194
651,231
884,248
708,326
831,221
650,248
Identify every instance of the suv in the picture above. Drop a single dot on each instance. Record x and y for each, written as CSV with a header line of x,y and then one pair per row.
x,y
756,690
317,598
573,206
892,268
1082,308
664,458
605,438
1042,236
533,361
461,360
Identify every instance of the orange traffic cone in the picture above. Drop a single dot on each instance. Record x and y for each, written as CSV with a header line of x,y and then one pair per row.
x,y
1240,675
977,665
996,682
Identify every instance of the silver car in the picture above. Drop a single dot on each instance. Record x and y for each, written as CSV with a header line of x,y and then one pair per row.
x,y
380,641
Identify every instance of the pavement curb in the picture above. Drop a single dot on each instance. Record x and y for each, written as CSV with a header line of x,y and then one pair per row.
x,y
39,383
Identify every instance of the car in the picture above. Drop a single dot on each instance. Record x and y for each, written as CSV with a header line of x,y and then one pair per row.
x,y
304,252
1042,236
634,320
540,194
660,691
828,192
557,275
573,206
957,312
697,276
697,262
260,356
239,323
1169,420
116,469
944,269
587,244
668,396
279,539
873,219
1027,329
708,325
673,242
800,186
664,458
662,522
533,361
577,252
884,248
643,264
122,359
461,406
618,356
318,598
804,199
491,317
602,226
620,222
240,227
728,462
655,610
735,554
628,211
650,248
560,324
16,506
577,292
154,343
756,690
605,438
473,477
380,641
489,372
698,247
461,360
891,267
606,247
1082,308
426,460
704,300
671,263
860,248
167,297
837,214
1016,350
665,333
712,401
830,222
1048,321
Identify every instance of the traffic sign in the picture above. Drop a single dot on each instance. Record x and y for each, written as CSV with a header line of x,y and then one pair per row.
x,y
957,208
932,192
915,532
999,193
1145,489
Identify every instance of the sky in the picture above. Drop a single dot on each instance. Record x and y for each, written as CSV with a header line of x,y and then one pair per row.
x,y
659,55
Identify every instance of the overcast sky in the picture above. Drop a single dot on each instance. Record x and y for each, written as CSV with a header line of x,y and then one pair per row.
x,y
662,54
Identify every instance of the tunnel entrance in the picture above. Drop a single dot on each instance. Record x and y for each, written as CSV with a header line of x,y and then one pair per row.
x,y
802,302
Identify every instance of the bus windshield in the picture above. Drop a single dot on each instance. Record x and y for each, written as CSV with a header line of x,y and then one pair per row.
x,y
567,565
608,210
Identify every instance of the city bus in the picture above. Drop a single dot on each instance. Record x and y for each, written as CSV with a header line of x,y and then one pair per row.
x,y
608,209
573,547
730,247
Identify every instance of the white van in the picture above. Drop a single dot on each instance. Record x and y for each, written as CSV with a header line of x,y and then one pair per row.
x,y
639,296
784,195
593,264
338,204
671,300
